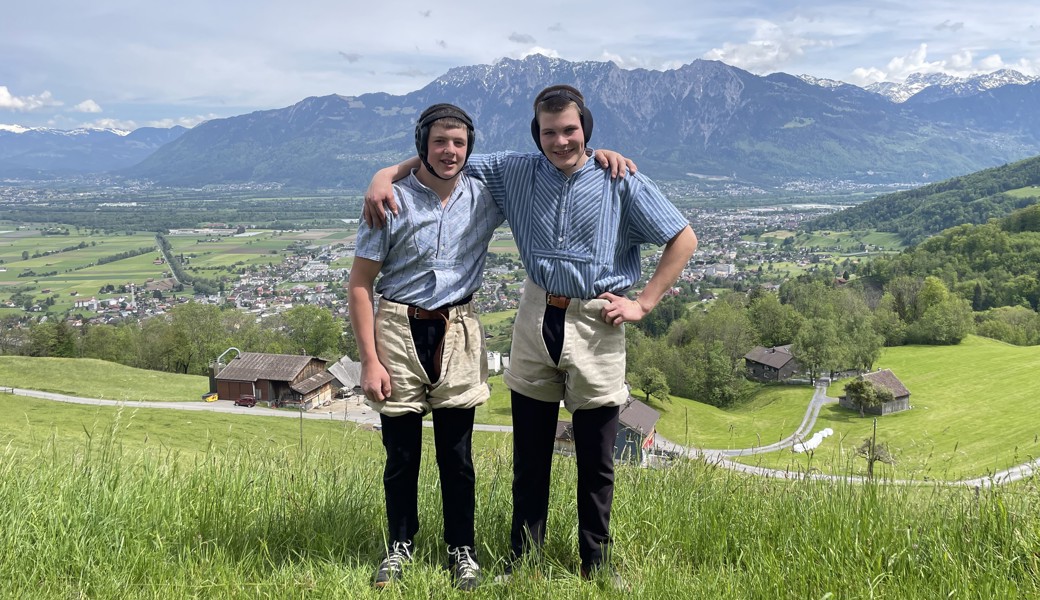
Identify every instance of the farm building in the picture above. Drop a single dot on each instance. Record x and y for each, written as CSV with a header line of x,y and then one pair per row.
x,y
348,376
885,379
637,427
770,364
277,379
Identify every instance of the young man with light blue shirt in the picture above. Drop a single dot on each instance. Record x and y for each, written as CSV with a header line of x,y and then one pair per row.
x,y
423,350
579,233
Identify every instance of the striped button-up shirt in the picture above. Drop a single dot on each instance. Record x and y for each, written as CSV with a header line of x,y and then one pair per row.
x,y
432,256
578,236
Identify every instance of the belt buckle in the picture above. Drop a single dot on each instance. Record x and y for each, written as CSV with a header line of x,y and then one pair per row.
x,y
557,301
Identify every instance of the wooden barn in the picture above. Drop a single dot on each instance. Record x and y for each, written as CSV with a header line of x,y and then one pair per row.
x,y
884,379
637,426
276,379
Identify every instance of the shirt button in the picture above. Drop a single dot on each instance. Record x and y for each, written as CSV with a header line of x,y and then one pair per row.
x,y
559,239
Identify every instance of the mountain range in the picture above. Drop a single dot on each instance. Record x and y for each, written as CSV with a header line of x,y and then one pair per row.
x,y
704,119
40,152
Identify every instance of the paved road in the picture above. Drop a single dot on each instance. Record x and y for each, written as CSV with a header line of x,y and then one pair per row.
x,y
354,410
350,409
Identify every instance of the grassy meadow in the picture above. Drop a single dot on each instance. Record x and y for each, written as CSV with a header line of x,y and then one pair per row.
x,y
973,413
848,241
104,502
91,378
973,410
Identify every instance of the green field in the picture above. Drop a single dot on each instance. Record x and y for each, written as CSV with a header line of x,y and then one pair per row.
x,y
773,414
209,255
1026,192
504,247
847,241
72,270
973,413
64,272
973,410
90,378
124,503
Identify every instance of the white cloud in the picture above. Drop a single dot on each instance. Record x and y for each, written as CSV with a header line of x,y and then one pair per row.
x,y
866,76
87,106
117,124
539,50
900,67
961,60
25,103
769,49
961,63
130,124
188,122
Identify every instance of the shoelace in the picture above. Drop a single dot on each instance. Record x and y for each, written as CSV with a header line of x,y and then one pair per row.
x,y
464,563
398,555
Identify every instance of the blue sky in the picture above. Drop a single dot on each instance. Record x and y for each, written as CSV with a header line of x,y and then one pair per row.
x,y
128,63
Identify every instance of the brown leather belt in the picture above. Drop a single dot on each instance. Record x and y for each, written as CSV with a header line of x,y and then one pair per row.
x,y
414,312
557,301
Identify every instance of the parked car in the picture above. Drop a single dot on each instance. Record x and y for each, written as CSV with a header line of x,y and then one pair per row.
x,y
246,400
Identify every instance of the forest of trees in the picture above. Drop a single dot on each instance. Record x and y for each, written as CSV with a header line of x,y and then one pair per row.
x,y
186,339
925,211
982,279
994,268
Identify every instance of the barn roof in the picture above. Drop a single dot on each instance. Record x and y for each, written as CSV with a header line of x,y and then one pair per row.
x,y
885,378
347,372
638,416
251,366
564,431
313,382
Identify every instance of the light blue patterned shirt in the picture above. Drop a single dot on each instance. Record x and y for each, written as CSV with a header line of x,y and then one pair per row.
x,y
432,256
578,236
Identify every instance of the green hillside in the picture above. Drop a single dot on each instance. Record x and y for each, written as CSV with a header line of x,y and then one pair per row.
x,y
117,503
92,378
918,213
973,409
973,413
991,265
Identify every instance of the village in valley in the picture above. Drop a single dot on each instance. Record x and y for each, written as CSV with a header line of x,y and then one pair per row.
x,y
737,247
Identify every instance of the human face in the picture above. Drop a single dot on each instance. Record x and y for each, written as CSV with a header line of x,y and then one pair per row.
x,y
446,149
563,140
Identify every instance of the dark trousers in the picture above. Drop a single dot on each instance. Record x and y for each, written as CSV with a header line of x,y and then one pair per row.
x,y
534,434
453,440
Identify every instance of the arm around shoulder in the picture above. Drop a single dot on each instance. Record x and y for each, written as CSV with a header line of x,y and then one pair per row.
x,y
380,193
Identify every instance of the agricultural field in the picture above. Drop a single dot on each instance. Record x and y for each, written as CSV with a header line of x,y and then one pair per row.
x,y
76,266
844,241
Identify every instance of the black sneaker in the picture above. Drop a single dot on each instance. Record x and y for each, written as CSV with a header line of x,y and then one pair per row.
x,y
462,563
606,576
400,553
507,572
